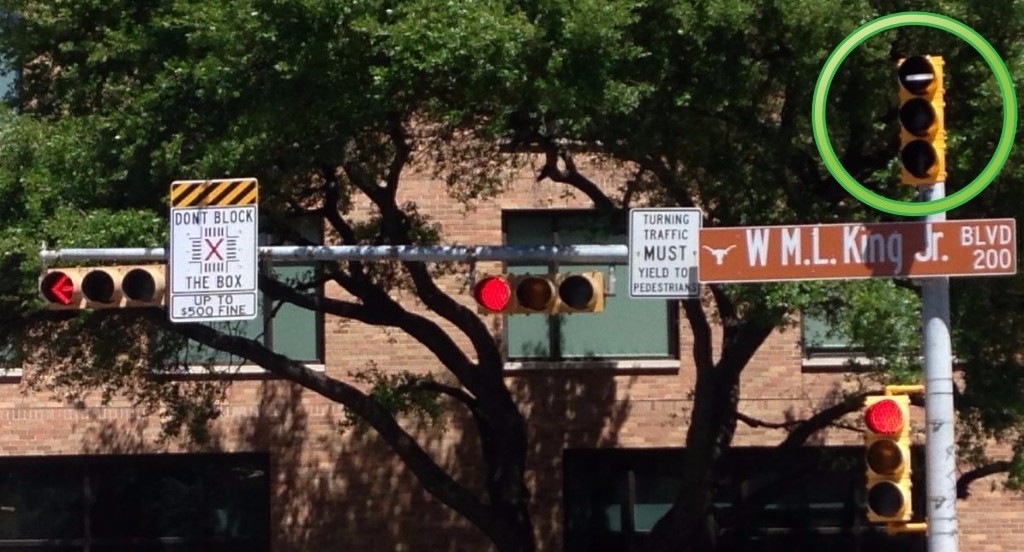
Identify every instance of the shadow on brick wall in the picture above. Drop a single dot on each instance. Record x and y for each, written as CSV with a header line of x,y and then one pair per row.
x,y
571,408
341,488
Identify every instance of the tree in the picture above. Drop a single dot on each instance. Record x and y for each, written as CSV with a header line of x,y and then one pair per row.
x,y
327,99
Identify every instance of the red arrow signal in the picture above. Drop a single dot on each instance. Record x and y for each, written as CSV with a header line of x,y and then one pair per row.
x,y
57,287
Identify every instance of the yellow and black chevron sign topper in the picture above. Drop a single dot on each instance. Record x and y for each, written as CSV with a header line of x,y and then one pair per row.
x,y
228,192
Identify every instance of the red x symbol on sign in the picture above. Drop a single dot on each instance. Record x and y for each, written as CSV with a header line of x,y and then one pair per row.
x,y
213,249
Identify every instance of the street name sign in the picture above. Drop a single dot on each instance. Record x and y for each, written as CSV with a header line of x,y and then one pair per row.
x,y
982,247
663,247
213,254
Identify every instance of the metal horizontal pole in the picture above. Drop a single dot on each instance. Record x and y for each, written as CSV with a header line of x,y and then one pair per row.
x,y
426,253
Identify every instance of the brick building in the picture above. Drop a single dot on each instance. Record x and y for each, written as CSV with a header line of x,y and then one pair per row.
x,y
607,421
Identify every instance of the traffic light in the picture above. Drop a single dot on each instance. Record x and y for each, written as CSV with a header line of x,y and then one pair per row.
x,y
541,293
922,121
103,287
887,454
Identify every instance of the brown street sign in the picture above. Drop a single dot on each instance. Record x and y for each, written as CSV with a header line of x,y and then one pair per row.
x,y
858,250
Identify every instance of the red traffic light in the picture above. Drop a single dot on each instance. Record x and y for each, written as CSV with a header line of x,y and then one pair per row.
x,y
57,287
556,293
103,287
492,293
884,417
887,458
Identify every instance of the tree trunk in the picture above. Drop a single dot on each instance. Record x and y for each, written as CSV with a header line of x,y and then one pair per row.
x,y
689,524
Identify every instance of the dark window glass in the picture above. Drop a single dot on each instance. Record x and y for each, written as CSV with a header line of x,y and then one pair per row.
x,y
212,502
37,502
8,67
809,500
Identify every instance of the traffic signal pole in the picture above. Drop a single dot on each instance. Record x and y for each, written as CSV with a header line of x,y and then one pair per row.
x,y
940,445
923,161
612,254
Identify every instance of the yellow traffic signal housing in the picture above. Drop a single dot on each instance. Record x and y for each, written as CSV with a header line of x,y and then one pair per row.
x,y
887,458
559,293
922,121
103,287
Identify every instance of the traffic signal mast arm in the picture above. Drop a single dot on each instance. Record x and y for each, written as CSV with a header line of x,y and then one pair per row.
x,y
62,288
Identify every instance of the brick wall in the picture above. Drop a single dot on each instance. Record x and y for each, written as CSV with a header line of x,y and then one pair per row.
x,y
341,487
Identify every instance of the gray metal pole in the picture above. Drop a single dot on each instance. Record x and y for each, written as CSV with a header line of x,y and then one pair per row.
x,y
426,253
940,444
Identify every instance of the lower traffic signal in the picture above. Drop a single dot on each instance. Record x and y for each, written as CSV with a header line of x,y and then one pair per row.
x,y
103,287
887,456
541,293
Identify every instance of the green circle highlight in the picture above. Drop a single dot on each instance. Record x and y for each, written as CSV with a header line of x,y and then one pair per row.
x,y
828,73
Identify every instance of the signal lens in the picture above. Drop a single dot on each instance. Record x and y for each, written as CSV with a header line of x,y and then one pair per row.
x,y
884,417
492,293
139,285
917,116
576,291
98,286
884,457
916,74
57,287
919,157
535,293
885,499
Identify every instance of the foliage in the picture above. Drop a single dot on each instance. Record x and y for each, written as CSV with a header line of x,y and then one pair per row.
x,y
402,392
327,100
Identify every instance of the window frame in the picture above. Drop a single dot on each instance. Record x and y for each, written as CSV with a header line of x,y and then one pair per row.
x,y
227,365
670,361
826,358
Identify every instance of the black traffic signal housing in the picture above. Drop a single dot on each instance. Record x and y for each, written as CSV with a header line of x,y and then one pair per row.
x,y
887,458
103,287
922,121
558,293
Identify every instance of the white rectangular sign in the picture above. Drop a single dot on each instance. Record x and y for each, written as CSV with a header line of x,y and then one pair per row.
x,y
663,252
213,259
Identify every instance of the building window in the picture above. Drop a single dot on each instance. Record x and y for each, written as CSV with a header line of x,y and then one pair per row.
x,y
282,327
10,363
821,336
811,499
211,502
8,67
586,336
7,80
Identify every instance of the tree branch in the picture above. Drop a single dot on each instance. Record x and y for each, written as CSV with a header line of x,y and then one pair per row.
x,y
456,393
553,156
963,484
402,153
433,478
821,420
